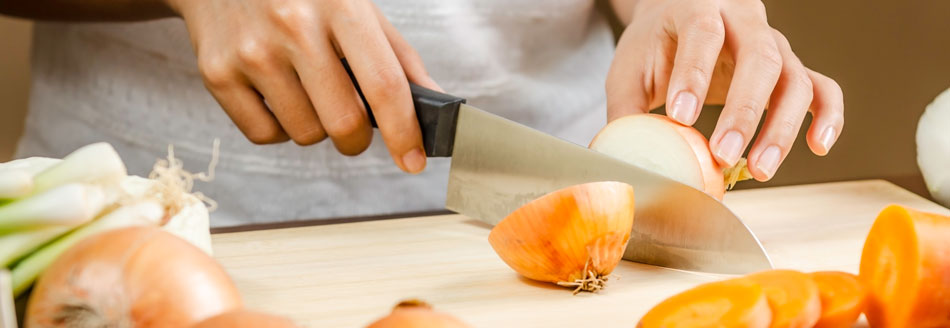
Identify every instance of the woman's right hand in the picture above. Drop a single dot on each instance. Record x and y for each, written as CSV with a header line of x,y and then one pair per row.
x,y
274,66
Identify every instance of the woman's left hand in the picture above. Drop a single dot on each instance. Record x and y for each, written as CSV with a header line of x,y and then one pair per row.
x,y
684,53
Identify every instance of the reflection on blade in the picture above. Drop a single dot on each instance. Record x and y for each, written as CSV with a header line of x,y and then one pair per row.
x,y
498,165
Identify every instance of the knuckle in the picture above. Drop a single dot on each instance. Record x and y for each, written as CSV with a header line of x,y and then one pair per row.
x,y
390,81
698,72
769,55
352,150
779,37
295,18
747,112
347,124
801,80
264,134
800,84
710,25
311,137
833,86
254,53
217,72
788,127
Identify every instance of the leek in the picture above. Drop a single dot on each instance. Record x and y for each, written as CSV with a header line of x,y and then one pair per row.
x,y
68,205
139,214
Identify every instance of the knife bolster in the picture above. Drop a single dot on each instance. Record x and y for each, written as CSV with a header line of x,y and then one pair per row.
x,y
438,116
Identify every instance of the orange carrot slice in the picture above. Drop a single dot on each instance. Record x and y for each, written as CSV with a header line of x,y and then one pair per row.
x,y
736,302
793,297
906,267
842,298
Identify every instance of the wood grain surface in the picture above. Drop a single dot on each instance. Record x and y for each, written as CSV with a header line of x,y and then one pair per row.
x,y
347,275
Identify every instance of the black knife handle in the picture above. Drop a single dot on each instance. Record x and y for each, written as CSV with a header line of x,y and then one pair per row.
x,y
437,114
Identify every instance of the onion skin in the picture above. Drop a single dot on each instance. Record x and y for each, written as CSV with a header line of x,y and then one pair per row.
x,y
563,236
136,276
246,319
417,314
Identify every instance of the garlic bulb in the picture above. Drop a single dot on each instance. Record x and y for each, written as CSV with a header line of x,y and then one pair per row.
x,y
573,237
933,147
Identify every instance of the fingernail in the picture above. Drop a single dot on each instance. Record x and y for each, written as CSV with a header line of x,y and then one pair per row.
x,y
414,160
768,161
730,147
684,108
827,138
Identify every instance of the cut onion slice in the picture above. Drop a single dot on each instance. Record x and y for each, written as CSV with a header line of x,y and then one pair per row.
x,y
659,144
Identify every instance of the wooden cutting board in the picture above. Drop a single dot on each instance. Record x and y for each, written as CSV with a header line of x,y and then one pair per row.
x,y
347,275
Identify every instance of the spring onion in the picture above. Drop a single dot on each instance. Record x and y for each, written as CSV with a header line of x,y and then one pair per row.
x,y
15,246
67,205
139,214
96,163
15,184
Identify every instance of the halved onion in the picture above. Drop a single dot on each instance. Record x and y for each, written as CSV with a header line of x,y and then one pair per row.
x,y
661,145
573,237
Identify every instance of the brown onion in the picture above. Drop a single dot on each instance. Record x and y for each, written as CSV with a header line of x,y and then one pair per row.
x,y
131,277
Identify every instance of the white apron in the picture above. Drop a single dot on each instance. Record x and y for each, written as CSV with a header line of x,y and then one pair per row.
x,y
541,63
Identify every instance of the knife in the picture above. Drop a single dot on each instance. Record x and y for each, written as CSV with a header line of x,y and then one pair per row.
x,y
498,165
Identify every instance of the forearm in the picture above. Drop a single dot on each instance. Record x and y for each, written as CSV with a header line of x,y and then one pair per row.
x,y
87,10
623,9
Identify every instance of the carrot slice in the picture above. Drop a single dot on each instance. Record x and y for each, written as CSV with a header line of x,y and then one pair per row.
x,y
906,267
793,297
736,302
842,298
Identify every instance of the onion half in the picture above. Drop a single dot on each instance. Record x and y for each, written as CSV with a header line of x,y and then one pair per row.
x,y
658,144
573,237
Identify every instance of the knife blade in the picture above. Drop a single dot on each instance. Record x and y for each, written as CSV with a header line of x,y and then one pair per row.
x,y
498,165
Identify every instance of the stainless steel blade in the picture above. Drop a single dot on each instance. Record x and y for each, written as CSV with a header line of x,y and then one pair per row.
x,y
499,165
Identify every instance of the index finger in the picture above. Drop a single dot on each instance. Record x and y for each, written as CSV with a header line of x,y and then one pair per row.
x,y
384,84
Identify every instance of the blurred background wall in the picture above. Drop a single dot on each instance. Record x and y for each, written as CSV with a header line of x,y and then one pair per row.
x,y
891,58
14,80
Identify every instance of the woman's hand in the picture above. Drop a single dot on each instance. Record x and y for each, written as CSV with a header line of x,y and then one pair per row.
x,y
682,52
274,66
